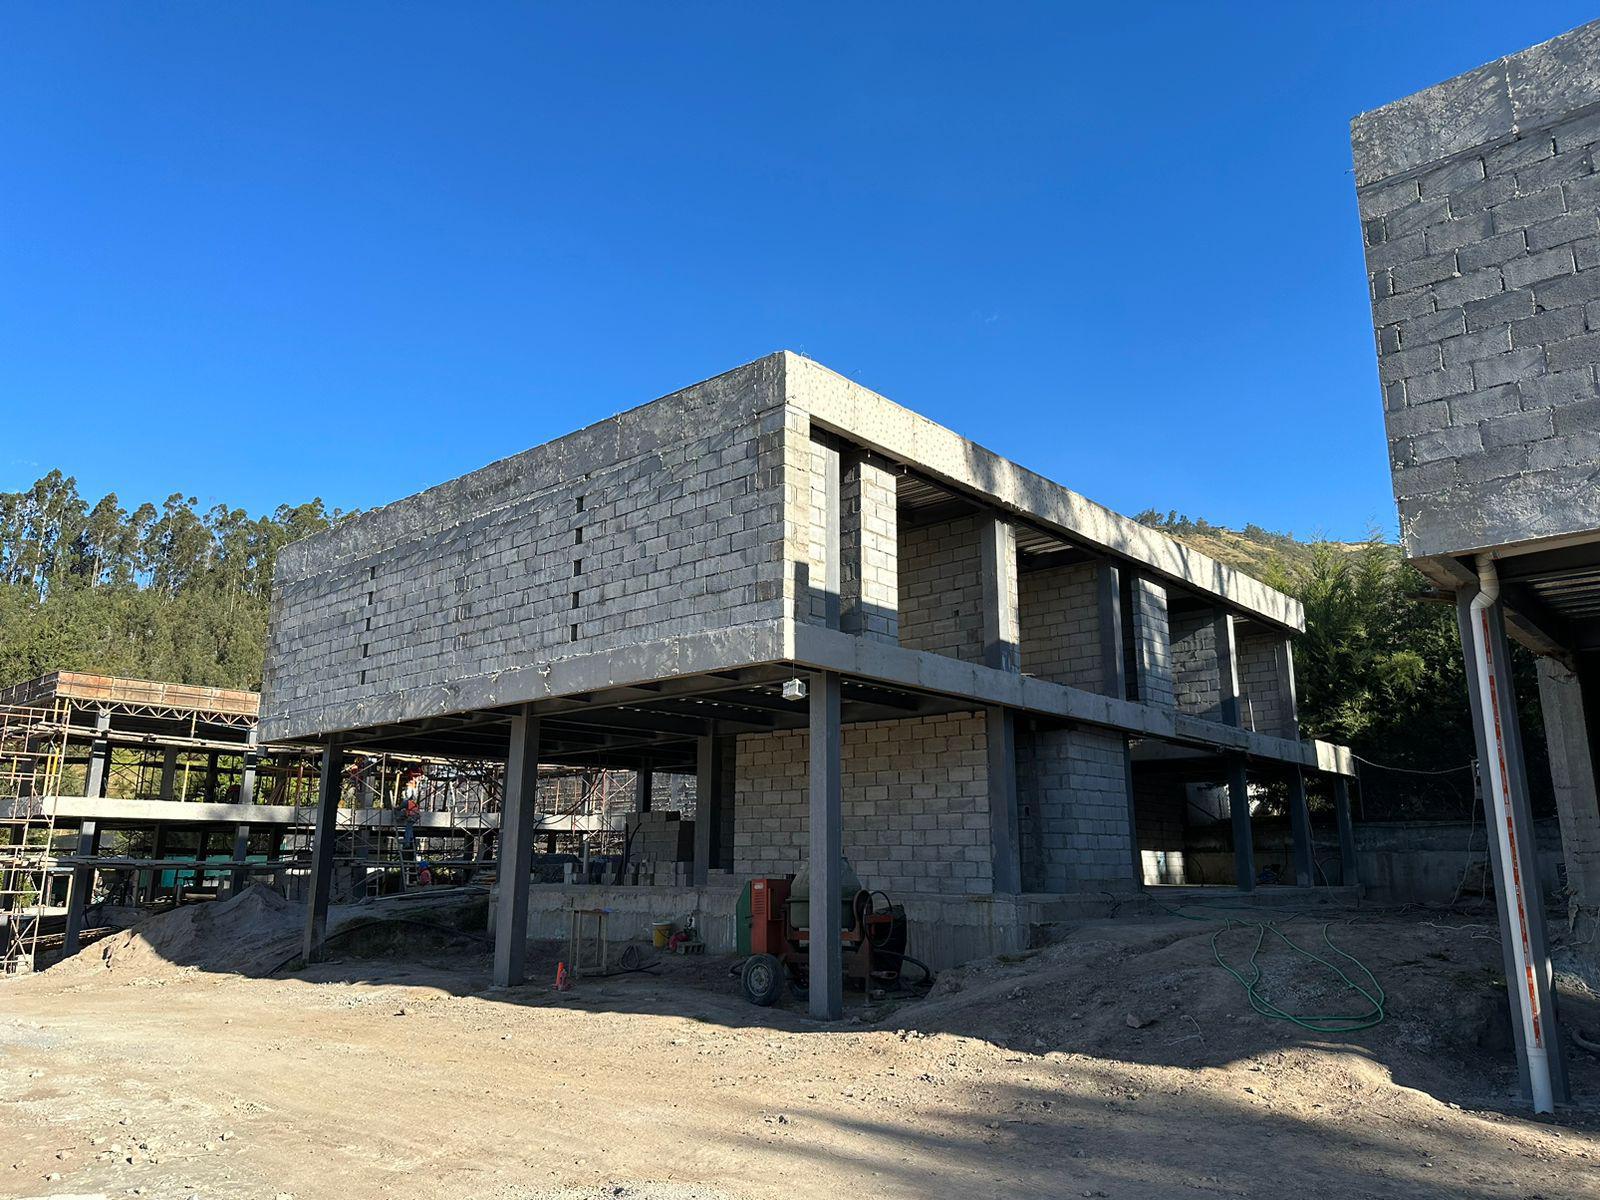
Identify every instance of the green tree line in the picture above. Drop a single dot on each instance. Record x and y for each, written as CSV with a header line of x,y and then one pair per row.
x,y
169,593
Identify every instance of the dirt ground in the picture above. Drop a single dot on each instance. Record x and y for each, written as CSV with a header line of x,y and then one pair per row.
x,y
1121,1062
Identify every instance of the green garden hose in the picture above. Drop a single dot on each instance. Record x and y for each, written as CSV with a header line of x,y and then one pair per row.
x,y
1371,991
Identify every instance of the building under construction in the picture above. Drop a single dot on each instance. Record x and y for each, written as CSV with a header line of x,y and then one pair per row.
x,y
117,795
860,632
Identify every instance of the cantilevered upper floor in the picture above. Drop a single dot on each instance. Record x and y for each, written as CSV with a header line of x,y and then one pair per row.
x,y
675,563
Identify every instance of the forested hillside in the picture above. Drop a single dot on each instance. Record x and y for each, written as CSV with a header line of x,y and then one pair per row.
x,y
175,593
170,593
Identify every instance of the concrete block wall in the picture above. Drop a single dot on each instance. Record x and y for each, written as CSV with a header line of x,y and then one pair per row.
x,y
941,589
1480,208
1261,697
915,804
870,551
1196,682
659,523
1072,798
1060,619
1152,642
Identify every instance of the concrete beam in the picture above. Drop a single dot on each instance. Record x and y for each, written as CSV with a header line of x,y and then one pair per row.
x,y
826,784
516,851
845,407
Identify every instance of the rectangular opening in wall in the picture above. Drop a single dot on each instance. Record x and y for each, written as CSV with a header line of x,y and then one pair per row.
x,y
577,566
577,536
575,599
572,633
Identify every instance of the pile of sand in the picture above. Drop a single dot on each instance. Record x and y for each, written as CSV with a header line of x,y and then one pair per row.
x,y
248,934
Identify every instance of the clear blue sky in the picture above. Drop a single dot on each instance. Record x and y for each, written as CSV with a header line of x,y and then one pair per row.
x,y
263,252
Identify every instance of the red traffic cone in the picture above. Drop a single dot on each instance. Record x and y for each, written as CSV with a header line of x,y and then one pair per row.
x,y
563,980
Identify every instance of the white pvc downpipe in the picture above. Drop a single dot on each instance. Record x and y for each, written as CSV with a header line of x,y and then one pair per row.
x,y
1510,879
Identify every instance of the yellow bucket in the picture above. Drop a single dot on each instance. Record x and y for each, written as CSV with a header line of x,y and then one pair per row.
x,y
659,933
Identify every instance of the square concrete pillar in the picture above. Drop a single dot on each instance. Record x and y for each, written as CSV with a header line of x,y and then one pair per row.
x,y
247,772
1300,831
869,551
1108,596
1572,772
1004,822
826,785
320,886
1244,845
95,778
518,817
710,852
1002,621
1228,692
82,883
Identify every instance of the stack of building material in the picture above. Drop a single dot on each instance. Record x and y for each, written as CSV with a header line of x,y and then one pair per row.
x,y
660,849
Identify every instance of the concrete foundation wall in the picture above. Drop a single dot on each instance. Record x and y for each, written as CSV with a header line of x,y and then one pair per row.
x,y
1060,621
941,589
1072,798
1480,206
916,808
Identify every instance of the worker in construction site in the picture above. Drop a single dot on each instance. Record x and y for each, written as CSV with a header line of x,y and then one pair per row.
x,y
410,805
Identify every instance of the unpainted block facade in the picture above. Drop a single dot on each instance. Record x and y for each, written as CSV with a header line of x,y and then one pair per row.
x,y
1480,206
1197,683
1060,622
941,589
915,804
1263,672
1072,792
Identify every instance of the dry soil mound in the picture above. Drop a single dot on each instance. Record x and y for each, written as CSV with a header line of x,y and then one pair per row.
x,y
247,934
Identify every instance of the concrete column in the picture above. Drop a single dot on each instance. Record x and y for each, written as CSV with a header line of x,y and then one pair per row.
x,y
709,850
1244,845
869,551
1502,708
1288,691
82,884
169,773
95,778
826,784
1153,682
320,886
1566,731
247,773
1300,831
1002,631
832,568
1005,834
1113,672
1349,864
210,792
241,851
1227,642
643,783
517,820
